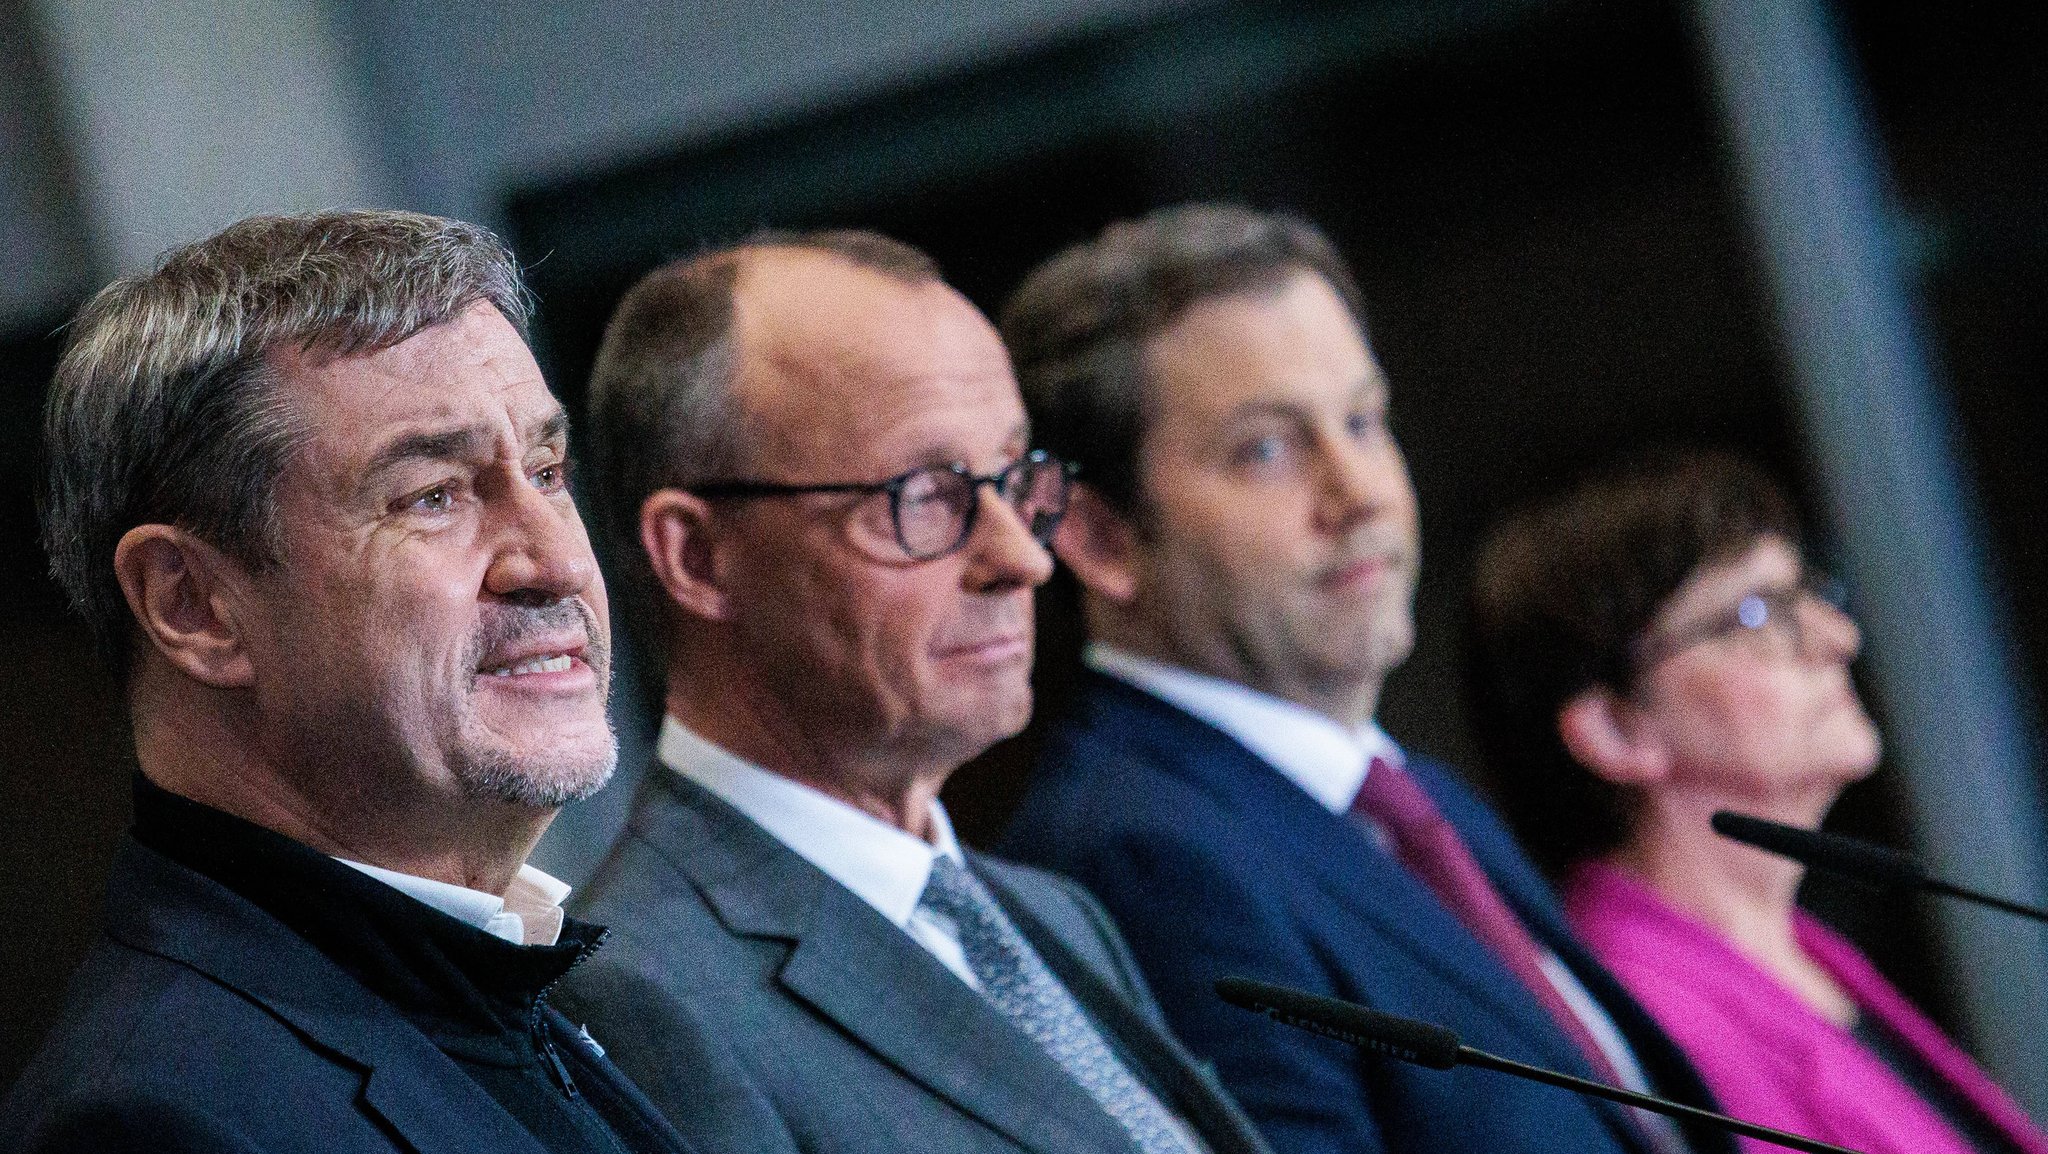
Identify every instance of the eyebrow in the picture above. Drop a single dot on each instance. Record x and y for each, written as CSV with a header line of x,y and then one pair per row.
x,y
465,443
1372,388
1019,435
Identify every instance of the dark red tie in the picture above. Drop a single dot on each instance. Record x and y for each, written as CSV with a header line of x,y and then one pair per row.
x,y
1432,850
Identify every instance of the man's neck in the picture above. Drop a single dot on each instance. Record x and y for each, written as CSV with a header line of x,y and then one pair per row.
x,y
897,788
1350,702
380,820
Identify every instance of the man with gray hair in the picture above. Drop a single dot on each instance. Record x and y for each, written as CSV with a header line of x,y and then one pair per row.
x,y
821,452
308,487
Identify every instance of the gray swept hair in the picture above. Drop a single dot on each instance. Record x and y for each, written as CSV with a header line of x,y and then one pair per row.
x,y
166,409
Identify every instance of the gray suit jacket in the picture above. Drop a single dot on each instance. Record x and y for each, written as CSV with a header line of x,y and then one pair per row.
x,y
853,1037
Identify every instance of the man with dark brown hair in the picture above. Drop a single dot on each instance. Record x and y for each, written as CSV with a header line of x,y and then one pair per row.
x,y
309,489
1246,542
820,450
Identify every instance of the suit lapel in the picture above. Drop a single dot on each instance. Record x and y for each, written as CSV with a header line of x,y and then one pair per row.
x,y
920,1018
443,1114
1352,873
1668,1071
855,969
163,908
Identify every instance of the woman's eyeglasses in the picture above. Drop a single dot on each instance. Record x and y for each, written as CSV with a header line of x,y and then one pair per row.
x,y
1762,612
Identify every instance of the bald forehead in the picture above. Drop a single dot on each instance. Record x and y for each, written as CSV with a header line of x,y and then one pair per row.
x,y
826,349
796,298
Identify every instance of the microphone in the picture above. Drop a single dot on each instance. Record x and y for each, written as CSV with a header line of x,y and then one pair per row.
x,y
1434,1046
1856,860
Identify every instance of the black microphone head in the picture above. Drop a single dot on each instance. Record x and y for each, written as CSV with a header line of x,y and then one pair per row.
x,y
1857,860
1404,1038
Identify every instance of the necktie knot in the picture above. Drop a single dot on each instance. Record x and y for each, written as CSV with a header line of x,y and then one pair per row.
x,y
952,891
1391,797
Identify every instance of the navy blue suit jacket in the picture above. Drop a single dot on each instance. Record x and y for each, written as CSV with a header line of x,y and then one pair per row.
x,y
1214,864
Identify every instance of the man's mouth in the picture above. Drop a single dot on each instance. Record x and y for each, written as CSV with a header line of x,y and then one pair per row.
x,y
551,663
994,648
533,656
1360,572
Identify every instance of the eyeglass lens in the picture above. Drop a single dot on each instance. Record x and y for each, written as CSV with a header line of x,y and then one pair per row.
x,y
935,508
1780,607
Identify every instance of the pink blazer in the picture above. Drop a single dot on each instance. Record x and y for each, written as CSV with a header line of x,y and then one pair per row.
x,y
1767,1056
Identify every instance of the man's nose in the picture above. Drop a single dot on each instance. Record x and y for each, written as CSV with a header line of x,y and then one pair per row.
x,y
542,553
1357,481
1001,552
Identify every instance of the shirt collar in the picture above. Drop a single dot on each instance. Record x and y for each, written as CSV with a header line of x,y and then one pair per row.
x,y
882,865
1326,759
530,913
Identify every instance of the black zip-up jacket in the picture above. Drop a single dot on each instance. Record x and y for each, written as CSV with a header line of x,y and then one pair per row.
x,y
253,994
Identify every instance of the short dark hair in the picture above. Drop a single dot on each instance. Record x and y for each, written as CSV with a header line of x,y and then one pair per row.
x,y
1560,592
1078,325
165,408
662,406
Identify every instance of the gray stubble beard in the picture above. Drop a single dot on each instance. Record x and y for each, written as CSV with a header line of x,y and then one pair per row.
x,y
498,775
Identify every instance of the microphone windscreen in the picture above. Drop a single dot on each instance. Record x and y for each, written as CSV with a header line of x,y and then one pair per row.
x,y
1855,859
1403,1038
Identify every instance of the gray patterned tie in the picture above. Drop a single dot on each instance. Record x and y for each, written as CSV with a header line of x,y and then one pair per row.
x,y
1015,979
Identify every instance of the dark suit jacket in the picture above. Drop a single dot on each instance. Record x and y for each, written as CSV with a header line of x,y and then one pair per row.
x,y
200,1023
1215,864
853,1036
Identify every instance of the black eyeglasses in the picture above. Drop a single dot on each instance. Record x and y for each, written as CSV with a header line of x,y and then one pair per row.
x,y
1760,613
933,509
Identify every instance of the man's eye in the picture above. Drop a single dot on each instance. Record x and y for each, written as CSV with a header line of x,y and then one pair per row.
x,y
1363,426
1262,451
552,478
439,499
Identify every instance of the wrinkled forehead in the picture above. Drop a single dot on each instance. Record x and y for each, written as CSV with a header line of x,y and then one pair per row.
x,y
837,364
472,375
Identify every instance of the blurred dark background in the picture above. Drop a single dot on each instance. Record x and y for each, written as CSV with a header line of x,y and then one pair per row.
x,y
1538,196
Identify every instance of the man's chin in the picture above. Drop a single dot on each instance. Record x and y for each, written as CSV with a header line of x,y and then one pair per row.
x,y
1358,655
975,724
547,778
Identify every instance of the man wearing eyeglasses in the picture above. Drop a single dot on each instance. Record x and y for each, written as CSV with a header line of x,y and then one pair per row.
x,y
822,453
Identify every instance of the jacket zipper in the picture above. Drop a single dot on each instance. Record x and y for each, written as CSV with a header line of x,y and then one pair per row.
x,y
538,1023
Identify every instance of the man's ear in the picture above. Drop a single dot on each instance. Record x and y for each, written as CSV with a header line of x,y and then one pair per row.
x,y
190,600
1607,734
677,532
1100,545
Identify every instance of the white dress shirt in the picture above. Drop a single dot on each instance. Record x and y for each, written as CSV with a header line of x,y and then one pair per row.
x,y
883,866
1326,759
1329,762
530,913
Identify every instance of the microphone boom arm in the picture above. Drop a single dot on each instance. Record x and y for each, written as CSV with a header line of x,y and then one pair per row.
x,y
1471,1057
1434,1046
1856,860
